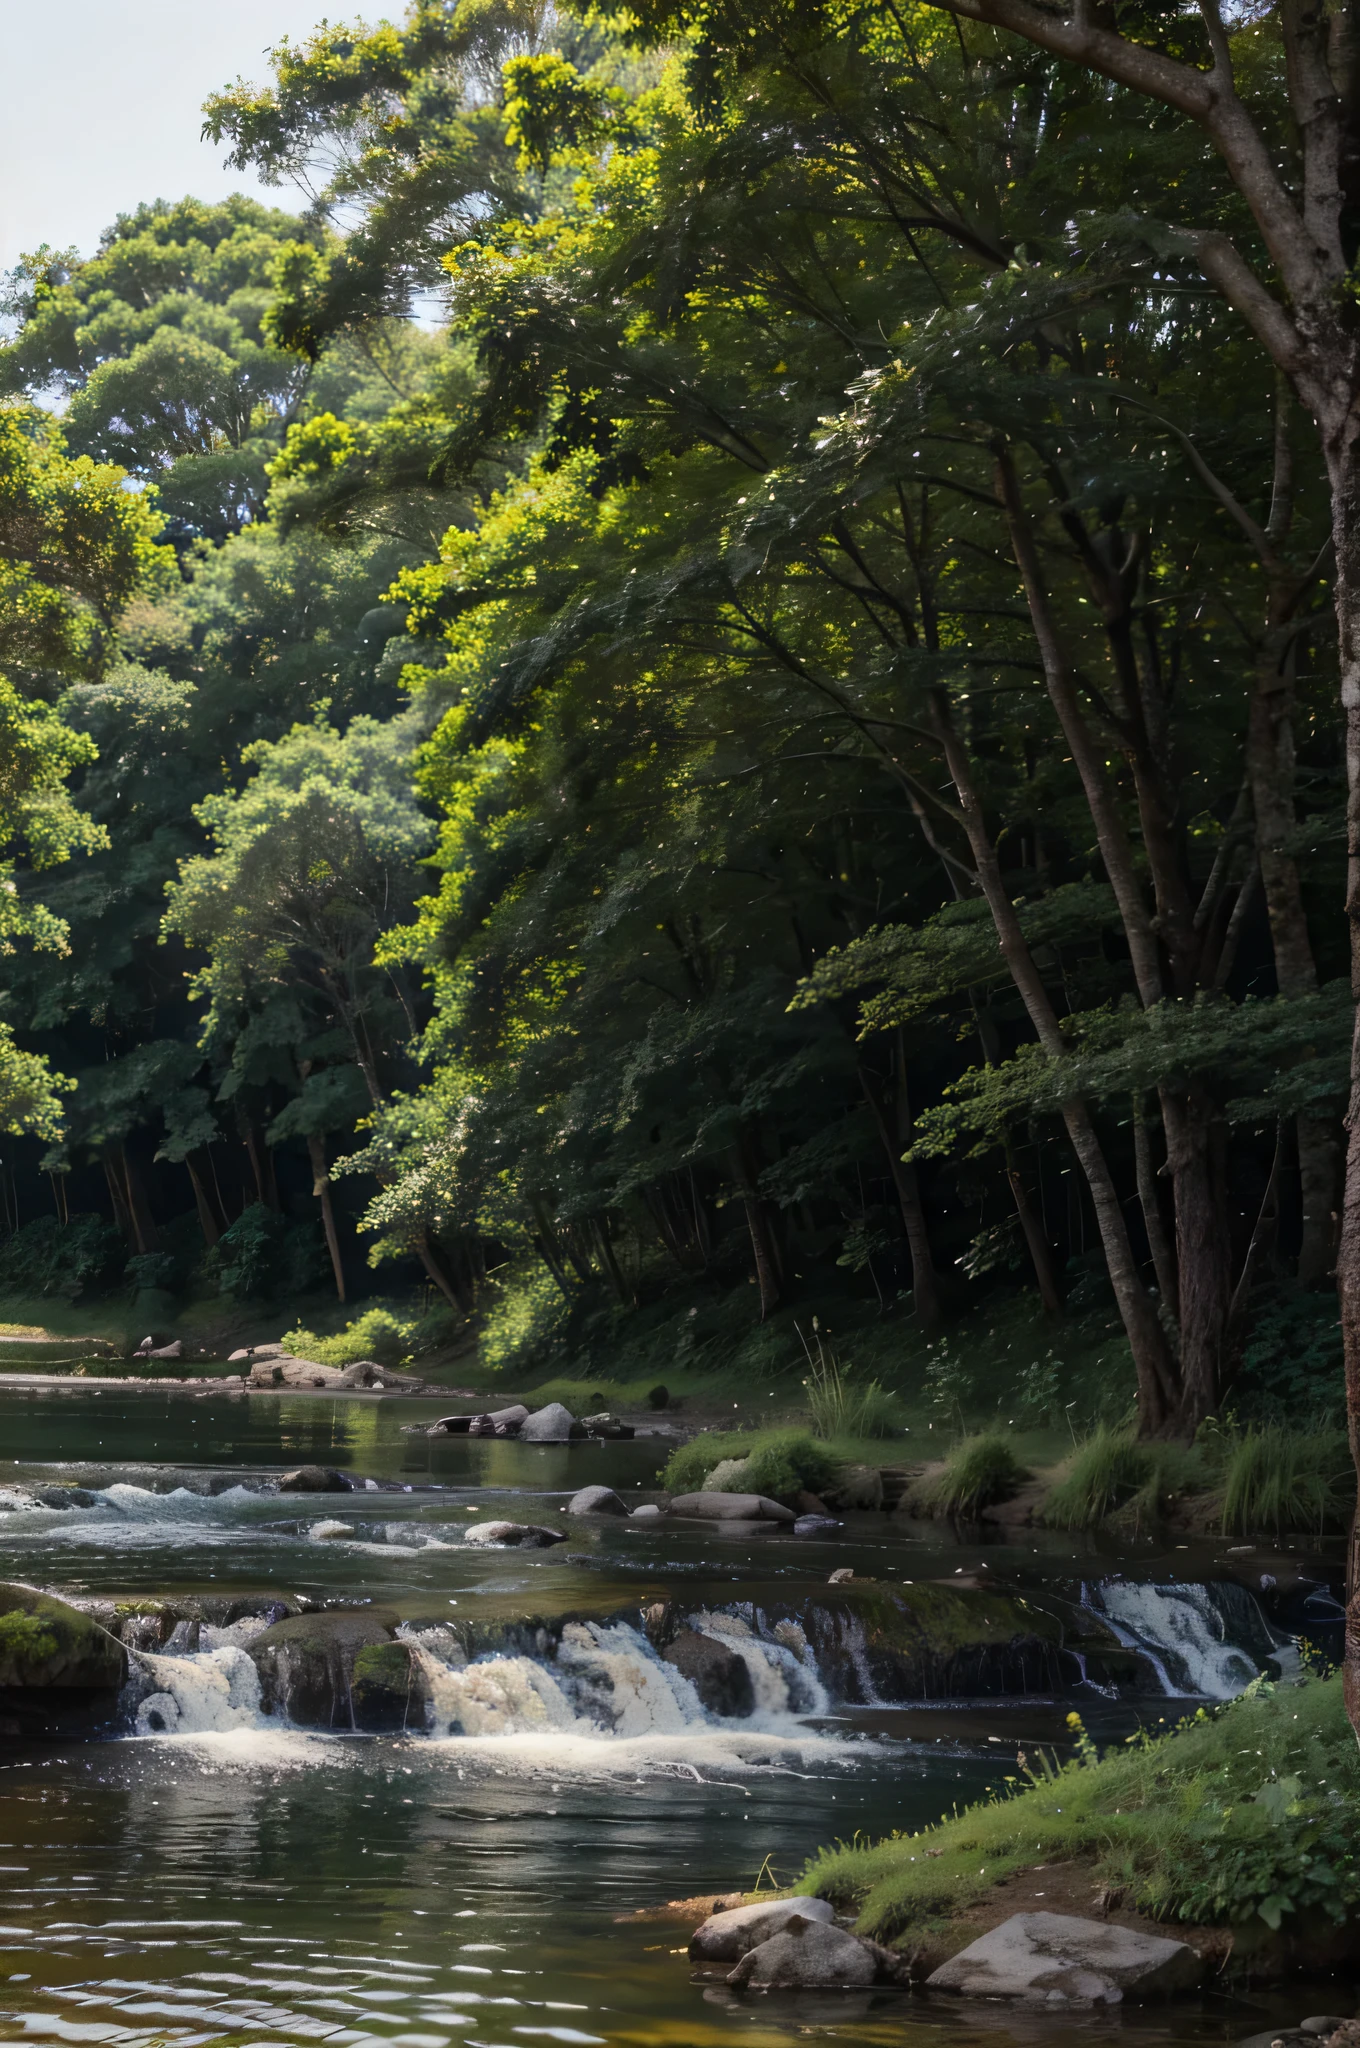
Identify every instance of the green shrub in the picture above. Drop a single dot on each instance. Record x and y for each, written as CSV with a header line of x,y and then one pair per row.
x,y
1104,1472
978,1473
263,1253
376,1334
1291,1362
46,1257
1282,1480
783,1462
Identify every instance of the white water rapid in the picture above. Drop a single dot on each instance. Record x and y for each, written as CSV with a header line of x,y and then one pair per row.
x,y
1182,1632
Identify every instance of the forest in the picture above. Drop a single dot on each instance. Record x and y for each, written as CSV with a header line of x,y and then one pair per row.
x,y
707,687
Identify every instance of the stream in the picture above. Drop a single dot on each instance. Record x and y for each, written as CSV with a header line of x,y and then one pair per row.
x,y
202,1872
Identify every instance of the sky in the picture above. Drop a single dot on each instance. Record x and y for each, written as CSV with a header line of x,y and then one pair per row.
x,y
102,106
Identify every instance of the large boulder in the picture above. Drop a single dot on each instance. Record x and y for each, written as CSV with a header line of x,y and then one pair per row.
x,y
718,1674
596,1500
512,1536
812,1955
730,1507
45,1644
1056,1959
551,1425
881,1643
282,1371
726,1936
307,1664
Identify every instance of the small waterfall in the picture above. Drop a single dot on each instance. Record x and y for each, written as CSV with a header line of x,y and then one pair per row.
x,y
214,1693
784,1675
1183,1632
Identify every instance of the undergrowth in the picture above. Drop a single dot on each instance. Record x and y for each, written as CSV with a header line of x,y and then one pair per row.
x,y
978,1473
1103,1473
1248,1812
782,1462
1280,1479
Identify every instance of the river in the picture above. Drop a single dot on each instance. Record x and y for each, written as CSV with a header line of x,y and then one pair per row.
x,y
220,1877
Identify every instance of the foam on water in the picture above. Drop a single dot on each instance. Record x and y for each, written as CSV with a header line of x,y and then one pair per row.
x,y
213,1693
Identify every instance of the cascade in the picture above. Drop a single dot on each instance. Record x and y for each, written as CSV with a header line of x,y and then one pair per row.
x,y
1185,1632
214,1693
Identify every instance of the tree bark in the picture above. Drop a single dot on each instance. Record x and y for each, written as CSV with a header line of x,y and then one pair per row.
x,y
1163,1260
1158,1381
1039,1251
454,1294
925,1286
207,1219
321,1188
145,1235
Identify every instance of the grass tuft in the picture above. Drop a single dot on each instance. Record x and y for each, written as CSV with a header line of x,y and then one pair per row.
x,y
783,1462
1279,1479
1104,1472
978,1473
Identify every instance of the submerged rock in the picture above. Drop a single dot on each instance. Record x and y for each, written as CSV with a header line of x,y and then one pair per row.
x,y
307,1664
551,1425
648,1512
816,1525
721,1678
728,1934
812,1955
730,1507
609,1427
513,1535
596,1500
313,1479
1057,1959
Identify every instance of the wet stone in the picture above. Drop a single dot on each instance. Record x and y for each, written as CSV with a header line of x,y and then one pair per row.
x,y
718,1674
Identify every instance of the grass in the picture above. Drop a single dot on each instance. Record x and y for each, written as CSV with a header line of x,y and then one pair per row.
x,y
839,1405
783,1462
1280,1479
1104,1472
1247,1814
979,1472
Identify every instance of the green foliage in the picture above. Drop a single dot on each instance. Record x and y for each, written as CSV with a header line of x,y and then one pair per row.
x,y
47,1257
263,1254
1251,1813
842,1406
1291,1358
1282,1481
781,1463
979,1472
376,1334
25,1639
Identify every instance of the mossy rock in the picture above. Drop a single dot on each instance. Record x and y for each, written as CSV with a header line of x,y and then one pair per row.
x,y
387,1690
930,1642
46,1644
306,1663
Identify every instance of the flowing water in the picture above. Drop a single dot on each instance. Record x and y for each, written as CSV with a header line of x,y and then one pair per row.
x,y
204,1873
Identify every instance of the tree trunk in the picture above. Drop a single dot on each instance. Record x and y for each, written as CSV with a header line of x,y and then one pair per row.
x,y
1040,1254
1163,1260
207,1219
321,1187
1203,1252
261,1164
145,1235
762,1253
122,1215
1158,1387
454,1294
925,1286
1344,468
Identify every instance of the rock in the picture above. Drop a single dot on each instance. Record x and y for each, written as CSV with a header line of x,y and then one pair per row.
x,y
731,1931
66,1497
294,1372
841,1576
307,1664
727,1476
325,1532
270,1351
387,1689
175,1350
596,1500
513,1535
501,1422
313,1479
857,1486
649,1511
239,1357
810,1503
609,1427
816,1525
718,1674
366,1372
730,1507
811,1955
1056,1959
658,1398
451,1425
44,1643
1280,2037
1324,2023
551,1425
